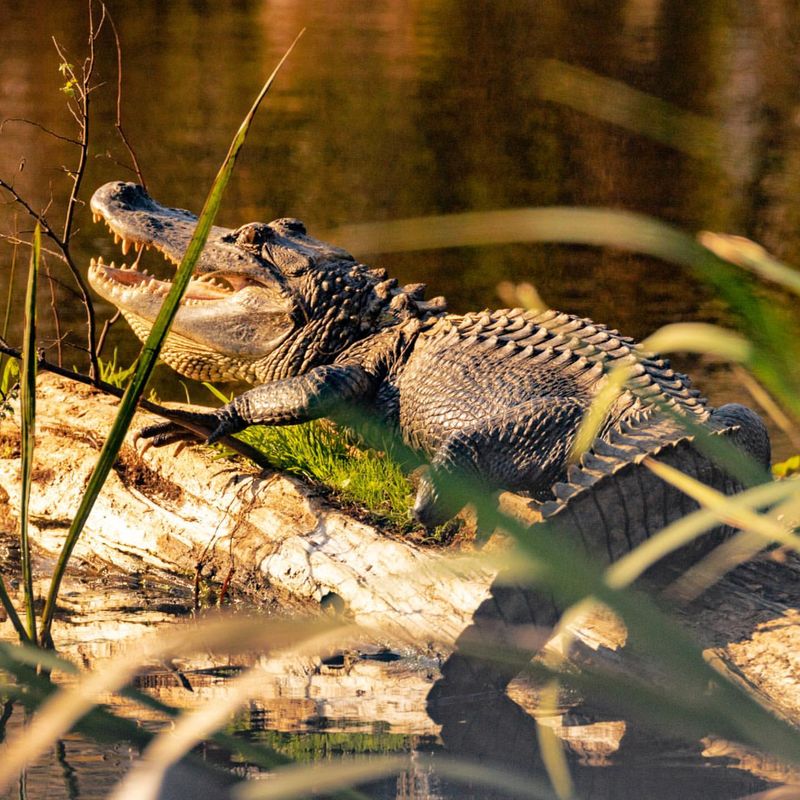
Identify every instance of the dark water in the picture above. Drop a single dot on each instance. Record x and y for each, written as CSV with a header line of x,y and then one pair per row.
x,y
391,109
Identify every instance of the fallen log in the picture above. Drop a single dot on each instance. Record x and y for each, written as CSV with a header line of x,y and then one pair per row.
x,y
178,514
175,511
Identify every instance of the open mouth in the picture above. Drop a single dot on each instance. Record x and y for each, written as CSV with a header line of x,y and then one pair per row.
x,y
129,280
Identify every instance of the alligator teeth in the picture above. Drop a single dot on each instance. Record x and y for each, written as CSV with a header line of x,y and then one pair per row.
x,y
117,237
96,217
138,246
126,245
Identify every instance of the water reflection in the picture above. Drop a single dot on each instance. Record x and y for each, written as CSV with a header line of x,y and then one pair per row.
x,y
389,111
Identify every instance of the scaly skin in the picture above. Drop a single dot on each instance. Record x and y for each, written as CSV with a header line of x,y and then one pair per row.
x,y
496,396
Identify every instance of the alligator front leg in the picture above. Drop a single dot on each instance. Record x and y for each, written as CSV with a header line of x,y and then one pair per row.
x,y
325,391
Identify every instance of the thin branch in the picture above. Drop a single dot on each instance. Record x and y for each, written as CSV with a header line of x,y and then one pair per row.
x,y
56,317
82,89
40,218
118,123
231,442
39,126
101,340
15,240
66,257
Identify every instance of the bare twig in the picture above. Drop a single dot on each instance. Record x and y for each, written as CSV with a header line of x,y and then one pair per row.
x,y
101,340
40,218
82,88
118,123
40,126
148,405
54,308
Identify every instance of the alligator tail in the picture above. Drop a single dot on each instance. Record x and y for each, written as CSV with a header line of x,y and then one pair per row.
x,y
612,502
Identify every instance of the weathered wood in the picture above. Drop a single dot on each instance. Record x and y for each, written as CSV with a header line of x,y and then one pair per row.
x,y
167,513
173,511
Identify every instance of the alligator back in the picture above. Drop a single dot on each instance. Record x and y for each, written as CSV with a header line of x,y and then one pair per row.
x,y
501,395
510,376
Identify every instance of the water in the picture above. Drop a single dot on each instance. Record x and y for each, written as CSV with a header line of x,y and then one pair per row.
x,y
389,110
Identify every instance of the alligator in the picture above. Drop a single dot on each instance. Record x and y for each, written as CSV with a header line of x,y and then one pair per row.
x,y
494,398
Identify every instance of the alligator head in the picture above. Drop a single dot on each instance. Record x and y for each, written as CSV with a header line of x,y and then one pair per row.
x,y
266,300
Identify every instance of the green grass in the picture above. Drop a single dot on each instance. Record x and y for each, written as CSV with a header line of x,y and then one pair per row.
x,y
317,451
305,747
320,452
111,372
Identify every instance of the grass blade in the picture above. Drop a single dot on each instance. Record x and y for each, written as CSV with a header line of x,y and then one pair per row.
x,y
699,337
722,559
16,658
150,351
751,256
28,413
572,577
620,104
301,781
28,409
8,607
65,708
551,747
597,412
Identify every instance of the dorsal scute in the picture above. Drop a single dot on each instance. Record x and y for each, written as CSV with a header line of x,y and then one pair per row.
x,y
581,348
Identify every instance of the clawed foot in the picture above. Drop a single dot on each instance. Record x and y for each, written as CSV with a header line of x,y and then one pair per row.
x,y
430,508
189,426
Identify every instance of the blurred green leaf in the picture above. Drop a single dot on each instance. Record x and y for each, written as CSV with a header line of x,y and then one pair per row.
x,y
752,256
784,469
634,110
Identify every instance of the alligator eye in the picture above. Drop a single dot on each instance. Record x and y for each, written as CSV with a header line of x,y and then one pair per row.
x,y
255,233
290,224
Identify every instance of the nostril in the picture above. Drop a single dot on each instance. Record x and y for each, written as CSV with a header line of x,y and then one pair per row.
x,y
296,226
130,191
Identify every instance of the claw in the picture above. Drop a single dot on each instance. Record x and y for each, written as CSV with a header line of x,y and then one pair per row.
x,y
179,448
215,436
141,444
